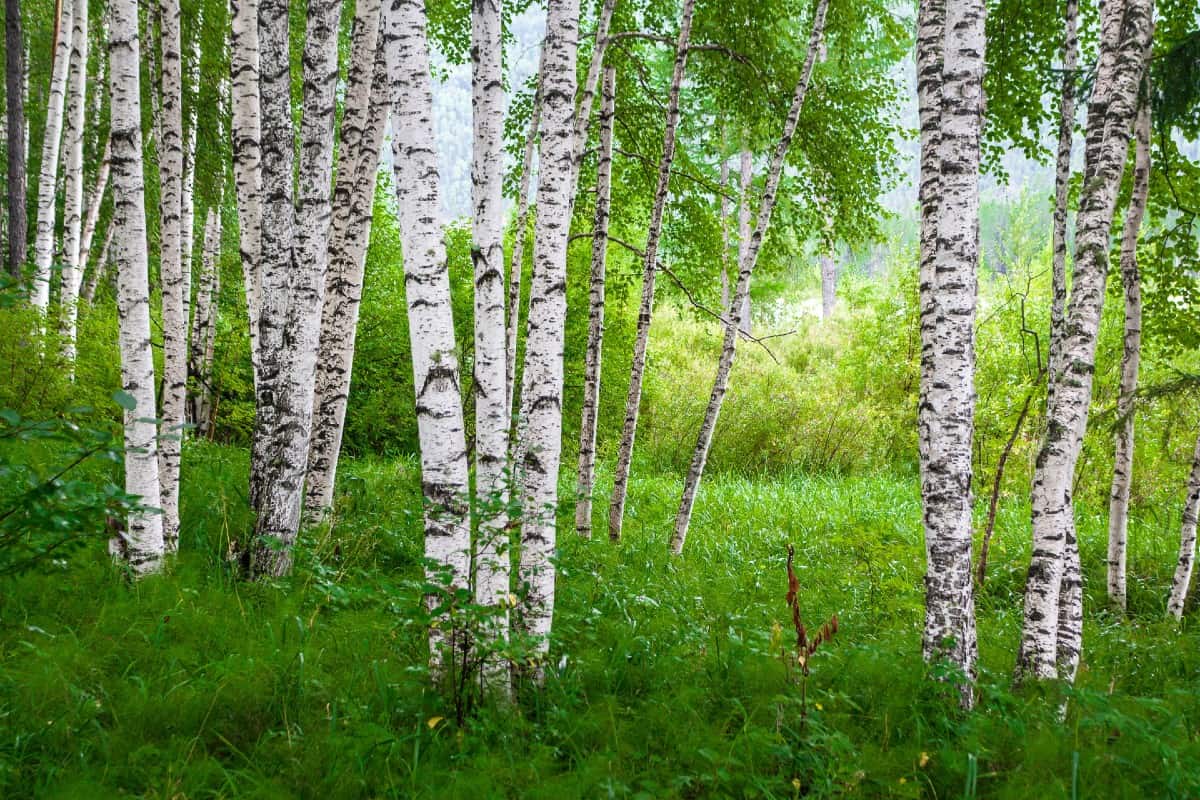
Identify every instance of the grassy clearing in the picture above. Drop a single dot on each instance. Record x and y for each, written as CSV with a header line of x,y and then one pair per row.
x,y
668,680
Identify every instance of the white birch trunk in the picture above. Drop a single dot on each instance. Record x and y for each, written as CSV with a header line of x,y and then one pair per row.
x,y
540,424
93,212
1118,503
72,267
444,465
1062,186
724,190
595,341
368,101
633,400
587,92
1187,541
88,294
1126,32
187,205
947,401
744,232
518,248
293,291
746,263
204,327
142,542
174,321
43,245
246,128
487,254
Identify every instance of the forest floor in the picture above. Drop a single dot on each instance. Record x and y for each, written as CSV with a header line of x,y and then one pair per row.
x,y
667,676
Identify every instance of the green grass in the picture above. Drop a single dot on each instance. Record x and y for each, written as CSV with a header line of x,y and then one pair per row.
x,y
196,685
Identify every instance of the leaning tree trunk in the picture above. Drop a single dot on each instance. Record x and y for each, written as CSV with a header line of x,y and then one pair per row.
x,y
43,245
444,464
204,325
637,372
1118,503
723,189
746,261
490,372
14,71
246,125
540,421
293,291
518,249
95,202
587,92
1046,651
595,340
72,267
1062,182
174,321
368,101
88,295
948,297
744,233
1187,540
141,543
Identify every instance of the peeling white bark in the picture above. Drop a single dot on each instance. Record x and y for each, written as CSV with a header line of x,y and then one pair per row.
x,y
187,210
637,372
1187,540
43,245
72,267
246,127
747,259
204,325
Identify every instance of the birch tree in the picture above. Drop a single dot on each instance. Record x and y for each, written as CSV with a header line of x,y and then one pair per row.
x,y
14,71
95,202
72,267
1187,541
440,426
487,256
540,421
746,262
246,127
1118,503
633,400
174,321
948,296
367,104
596,289
1050,645
187,202
141,543
43,245
746,172
518,248
1062,182
723,189
204,325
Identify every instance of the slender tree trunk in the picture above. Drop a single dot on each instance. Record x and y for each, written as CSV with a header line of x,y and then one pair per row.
x,y
633,401
491,365
204,324
246,124
1126,32
1187,540
947,401
14,65
93,213
187,205
43,246
174,321
72,266
141,544
587,92
1062,185
293,291
444,464
828,265
518,248
88,294
746,263
540,423
595,341
724,190
368,101
745,231
1118,504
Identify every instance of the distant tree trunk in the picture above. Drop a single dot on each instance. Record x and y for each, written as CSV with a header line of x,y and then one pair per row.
x,y
204,326
746,262
246,124
187,218
948,297
367,103
518,248
88,294
724,190
633,401
142,542
744,231
43,245
444,464
95,202
174,321
595,341
829,267
1118,504
1187,540
492,552
1047,649
14,66
540,423
72,267
293,289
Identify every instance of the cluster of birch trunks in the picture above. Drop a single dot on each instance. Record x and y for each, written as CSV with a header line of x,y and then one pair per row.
x,y
304,211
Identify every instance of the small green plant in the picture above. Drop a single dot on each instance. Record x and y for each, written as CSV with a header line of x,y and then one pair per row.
x,y
806,647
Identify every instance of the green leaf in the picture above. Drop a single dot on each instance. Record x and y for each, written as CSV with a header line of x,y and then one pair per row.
x,y
124,400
